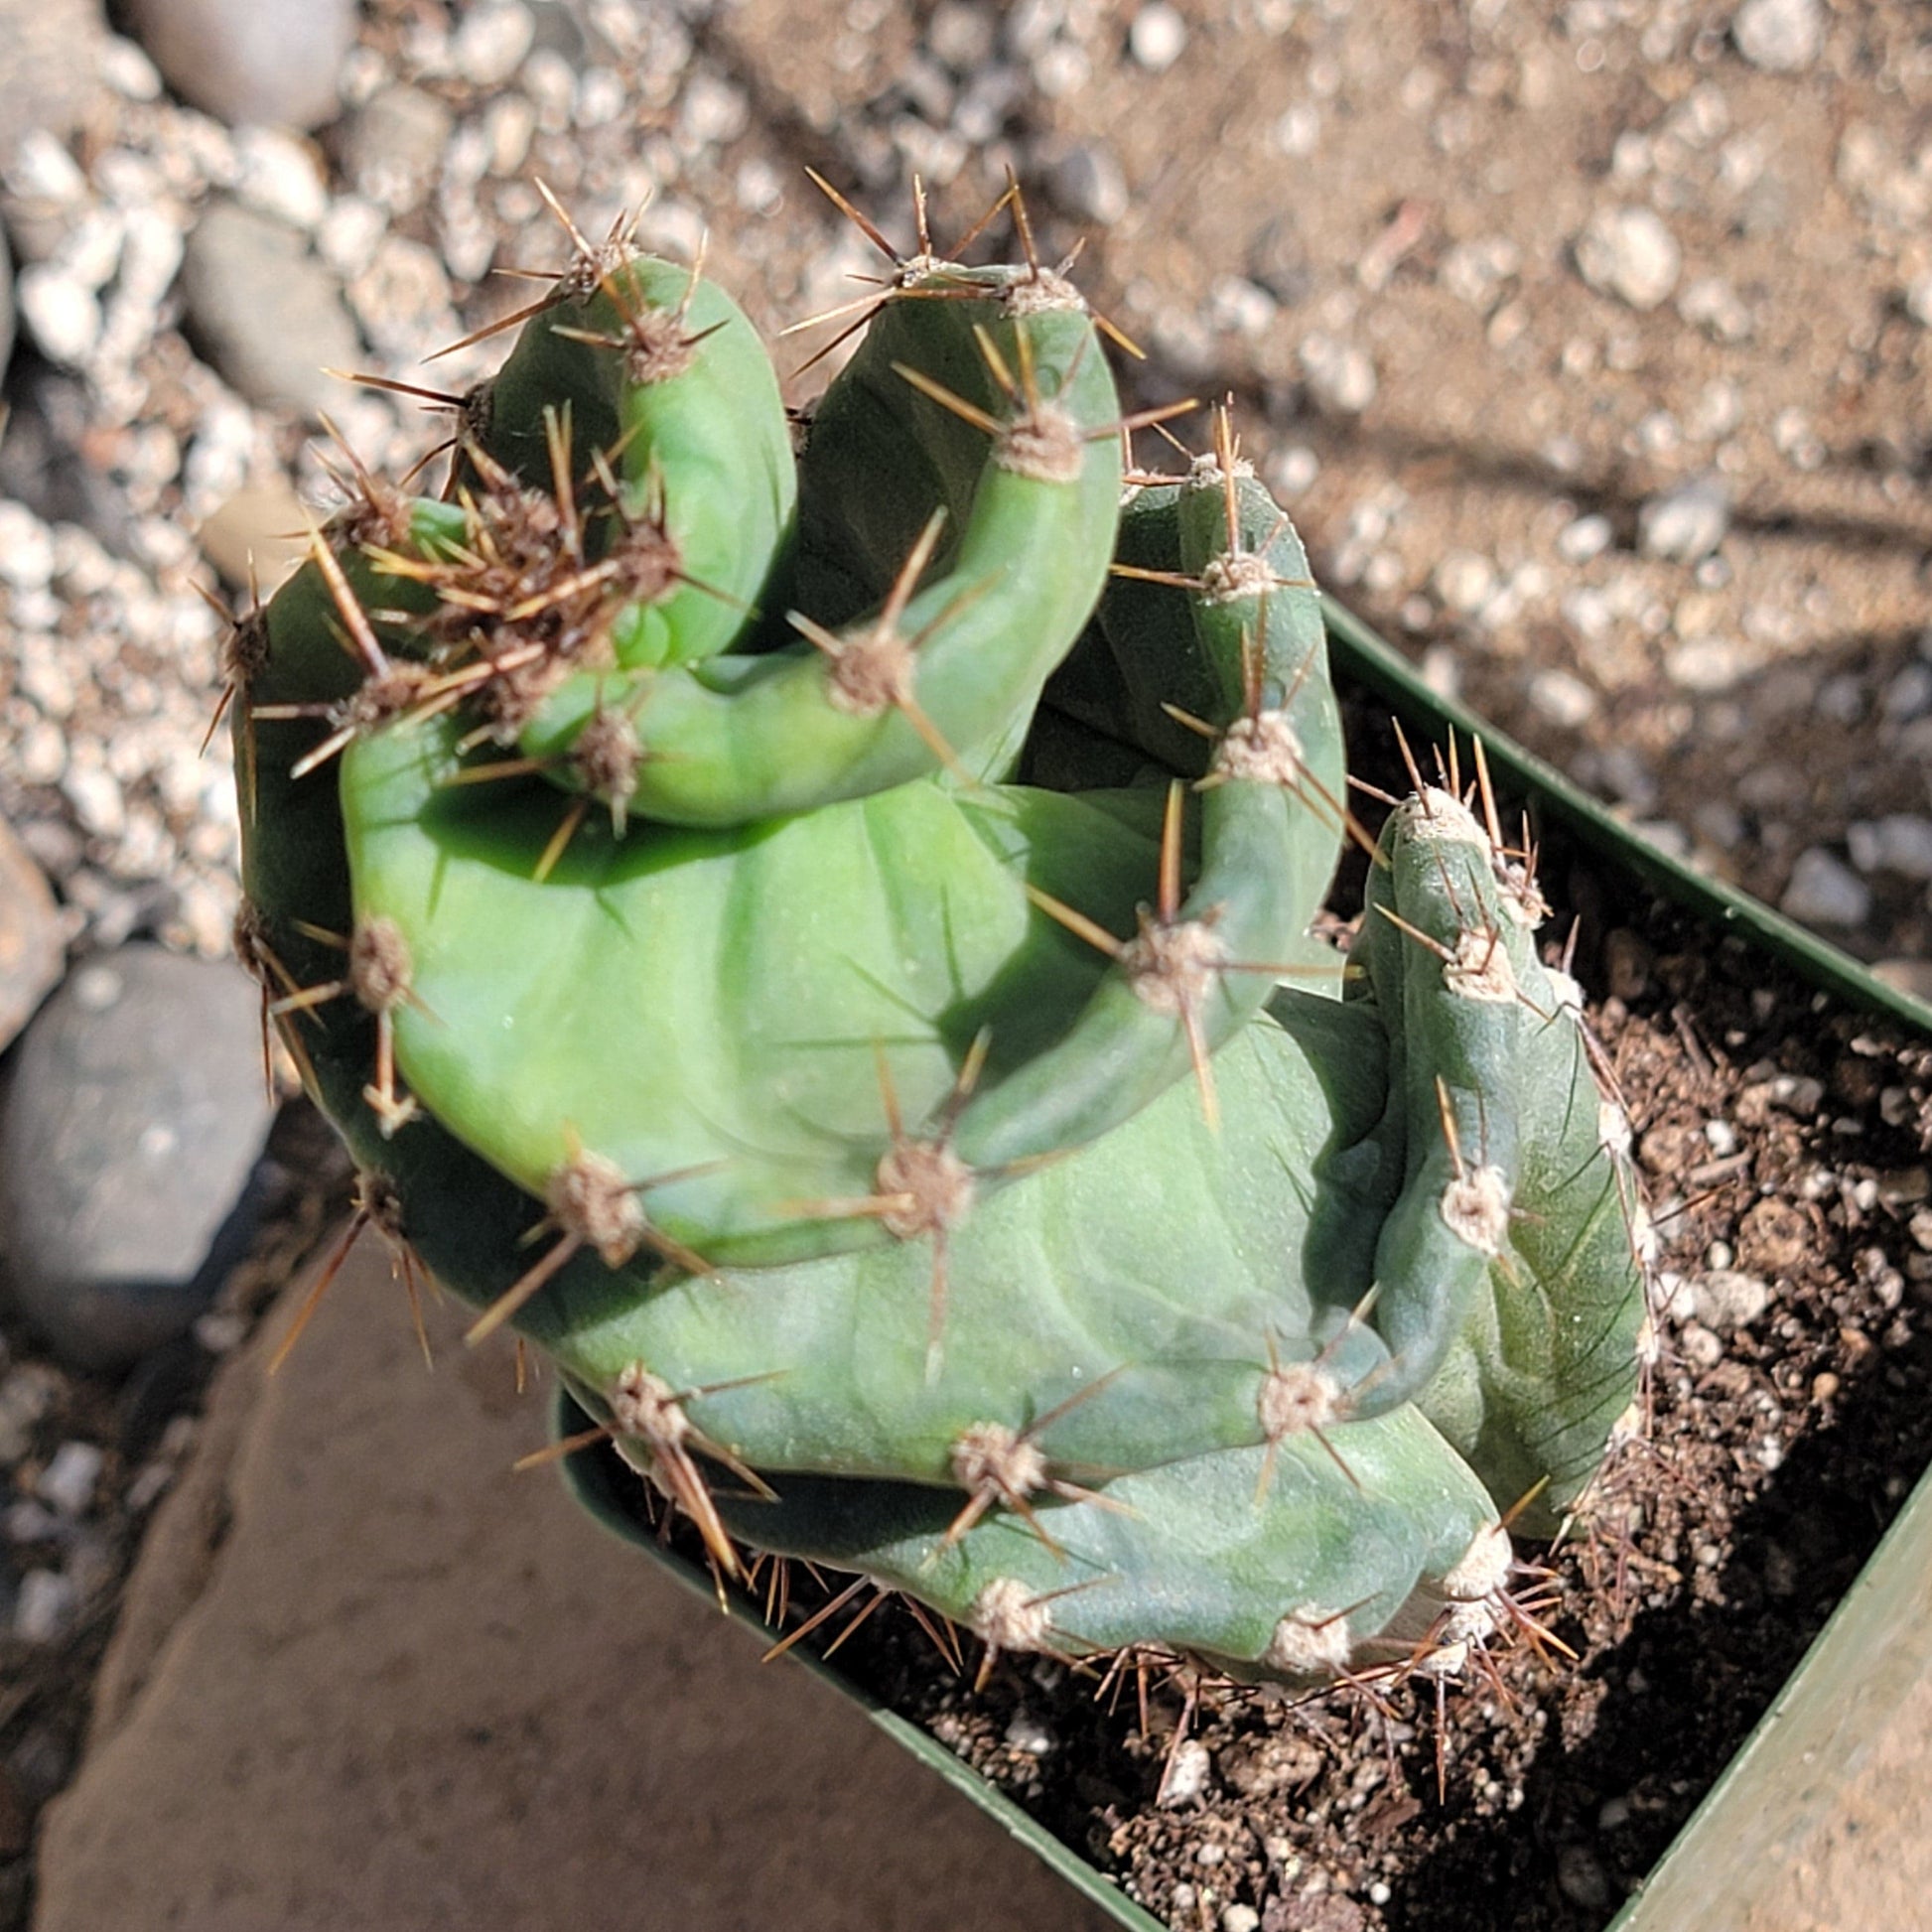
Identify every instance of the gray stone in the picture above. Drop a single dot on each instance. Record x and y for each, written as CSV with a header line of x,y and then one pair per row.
x,y
1898,842
1780,36
1825,891
1686,524
1628,253
1088,184
48,73
129,1137
264,311
349,1613
243,61
31,951
395,145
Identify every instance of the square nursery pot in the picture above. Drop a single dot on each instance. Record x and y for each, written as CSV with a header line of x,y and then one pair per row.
x,y
1782,1796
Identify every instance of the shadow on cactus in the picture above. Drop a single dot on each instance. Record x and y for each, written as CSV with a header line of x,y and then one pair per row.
x,y
821,945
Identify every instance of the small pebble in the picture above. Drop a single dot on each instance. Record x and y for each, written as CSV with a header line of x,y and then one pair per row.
x,y
1465,581
1824,891
1780,36
1897,843
68,1483
1586,538
1628,253
1088,184
492,41
45,1610
1686,523
1340,374
1188,1771
1157,37
1726,1298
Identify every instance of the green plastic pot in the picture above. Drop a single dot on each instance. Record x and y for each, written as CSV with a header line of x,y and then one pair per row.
x,y
1779,1789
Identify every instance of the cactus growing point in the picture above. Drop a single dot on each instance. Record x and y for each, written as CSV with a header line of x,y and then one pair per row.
x,y
822,947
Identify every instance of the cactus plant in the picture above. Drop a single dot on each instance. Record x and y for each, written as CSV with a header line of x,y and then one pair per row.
x,y
822,948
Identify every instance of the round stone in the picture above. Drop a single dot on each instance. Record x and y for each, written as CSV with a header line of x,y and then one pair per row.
x,y
129,1138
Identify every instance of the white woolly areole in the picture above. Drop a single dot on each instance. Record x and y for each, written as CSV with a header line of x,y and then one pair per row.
x,y
1297,1396
1520,899
590,1198
1265,747
1046,444
1475,1209
1206,471
1010,1616
990,1456
1483,1569
931,1186
1480,968
645,1406
1240,574
1436,814
1613,1127
1171,967
1042,293
1309,1642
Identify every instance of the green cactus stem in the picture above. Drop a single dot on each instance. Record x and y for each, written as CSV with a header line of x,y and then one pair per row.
x,y
823,948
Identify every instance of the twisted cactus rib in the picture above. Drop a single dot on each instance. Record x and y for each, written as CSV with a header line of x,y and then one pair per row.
x,y
981,1181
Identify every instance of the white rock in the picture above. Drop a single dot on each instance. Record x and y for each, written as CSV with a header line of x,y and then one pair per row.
x,y
1686,523
1824,891
1465,581
1240,306
1780,36
1562,698
45,1609
1586,538
63,314
1628,253
1726,1298
713,114
68,1483
1712,304
1298,131
1187,1774
277,174
1157,37
1340,375
1918,301
960,35
26,548
1898,842
491,43
96,799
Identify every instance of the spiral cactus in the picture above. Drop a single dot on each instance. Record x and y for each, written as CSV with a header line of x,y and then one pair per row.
x,y
830,964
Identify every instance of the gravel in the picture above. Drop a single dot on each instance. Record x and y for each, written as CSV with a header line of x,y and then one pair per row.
x,y
1686,524
1628,253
